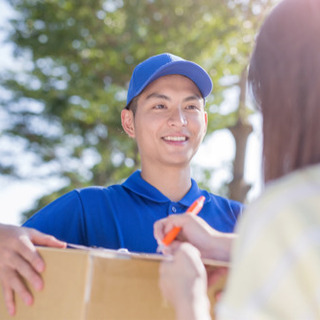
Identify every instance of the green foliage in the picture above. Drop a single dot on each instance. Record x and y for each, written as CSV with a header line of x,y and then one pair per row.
x,y
80,57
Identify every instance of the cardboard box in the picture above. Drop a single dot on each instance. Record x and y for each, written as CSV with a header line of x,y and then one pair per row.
x,y
97,285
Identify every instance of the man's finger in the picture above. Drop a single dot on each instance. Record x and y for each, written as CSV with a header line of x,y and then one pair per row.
x,y
42,239
28,250
14,283
26,270
9,300
20,288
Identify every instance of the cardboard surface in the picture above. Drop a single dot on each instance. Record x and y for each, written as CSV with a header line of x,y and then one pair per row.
x,y
97,285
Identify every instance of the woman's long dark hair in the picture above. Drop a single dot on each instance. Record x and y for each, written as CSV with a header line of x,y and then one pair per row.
x,y
284,75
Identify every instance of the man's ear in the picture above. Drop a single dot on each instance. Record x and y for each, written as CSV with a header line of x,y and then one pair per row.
x,y
127,121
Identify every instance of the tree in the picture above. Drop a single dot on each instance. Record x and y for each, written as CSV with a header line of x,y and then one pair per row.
x,y
64,107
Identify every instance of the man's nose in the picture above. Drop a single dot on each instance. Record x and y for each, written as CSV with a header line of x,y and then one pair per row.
x,y
178,117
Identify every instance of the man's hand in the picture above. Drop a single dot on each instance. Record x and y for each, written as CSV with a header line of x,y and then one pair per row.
x,y
20,259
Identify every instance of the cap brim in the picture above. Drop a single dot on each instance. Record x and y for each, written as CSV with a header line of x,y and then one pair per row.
x,y
186,68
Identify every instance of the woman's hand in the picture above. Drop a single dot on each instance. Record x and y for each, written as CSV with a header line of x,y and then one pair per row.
x,y
183,282
210,242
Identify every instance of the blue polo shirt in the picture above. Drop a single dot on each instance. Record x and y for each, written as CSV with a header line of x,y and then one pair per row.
x,y
122,216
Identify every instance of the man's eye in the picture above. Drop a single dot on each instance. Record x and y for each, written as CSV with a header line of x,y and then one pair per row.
x,y
192,107
159,106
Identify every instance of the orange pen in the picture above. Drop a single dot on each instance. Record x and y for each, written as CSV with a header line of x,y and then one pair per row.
x,y
193,209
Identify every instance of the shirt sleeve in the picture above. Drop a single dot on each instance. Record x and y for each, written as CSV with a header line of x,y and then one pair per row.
x,y
274,272
63,218
237,208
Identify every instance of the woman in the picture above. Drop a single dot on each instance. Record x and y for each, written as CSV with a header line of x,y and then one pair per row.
x,y
276,257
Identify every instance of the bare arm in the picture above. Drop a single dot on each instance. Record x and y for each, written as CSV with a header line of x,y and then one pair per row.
x,y
19,258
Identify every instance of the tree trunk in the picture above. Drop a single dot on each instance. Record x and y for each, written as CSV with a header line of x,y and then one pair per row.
x,y
238,188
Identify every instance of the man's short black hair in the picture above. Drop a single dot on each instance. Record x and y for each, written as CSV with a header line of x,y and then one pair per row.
x,y
133,105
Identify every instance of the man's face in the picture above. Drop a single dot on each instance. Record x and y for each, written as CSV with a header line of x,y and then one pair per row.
x,y
170,121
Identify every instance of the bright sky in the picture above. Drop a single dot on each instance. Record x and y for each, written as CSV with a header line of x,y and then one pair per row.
x,y
16,197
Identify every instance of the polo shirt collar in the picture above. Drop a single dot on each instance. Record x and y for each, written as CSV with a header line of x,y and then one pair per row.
x,y
136,184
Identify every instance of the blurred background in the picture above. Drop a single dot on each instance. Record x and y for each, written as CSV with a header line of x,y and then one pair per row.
x,y
64,72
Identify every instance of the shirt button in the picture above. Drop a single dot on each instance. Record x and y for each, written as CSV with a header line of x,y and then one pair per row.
x,y
174,209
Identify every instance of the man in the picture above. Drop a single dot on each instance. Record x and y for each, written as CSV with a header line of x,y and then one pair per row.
x,y
165,115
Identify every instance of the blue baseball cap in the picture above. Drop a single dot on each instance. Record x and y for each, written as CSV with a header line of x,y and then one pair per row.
x,y
165,64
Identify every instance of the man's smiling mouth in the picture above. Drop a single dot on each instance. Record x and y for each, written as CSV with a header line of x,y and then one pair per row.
x,y
175,138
